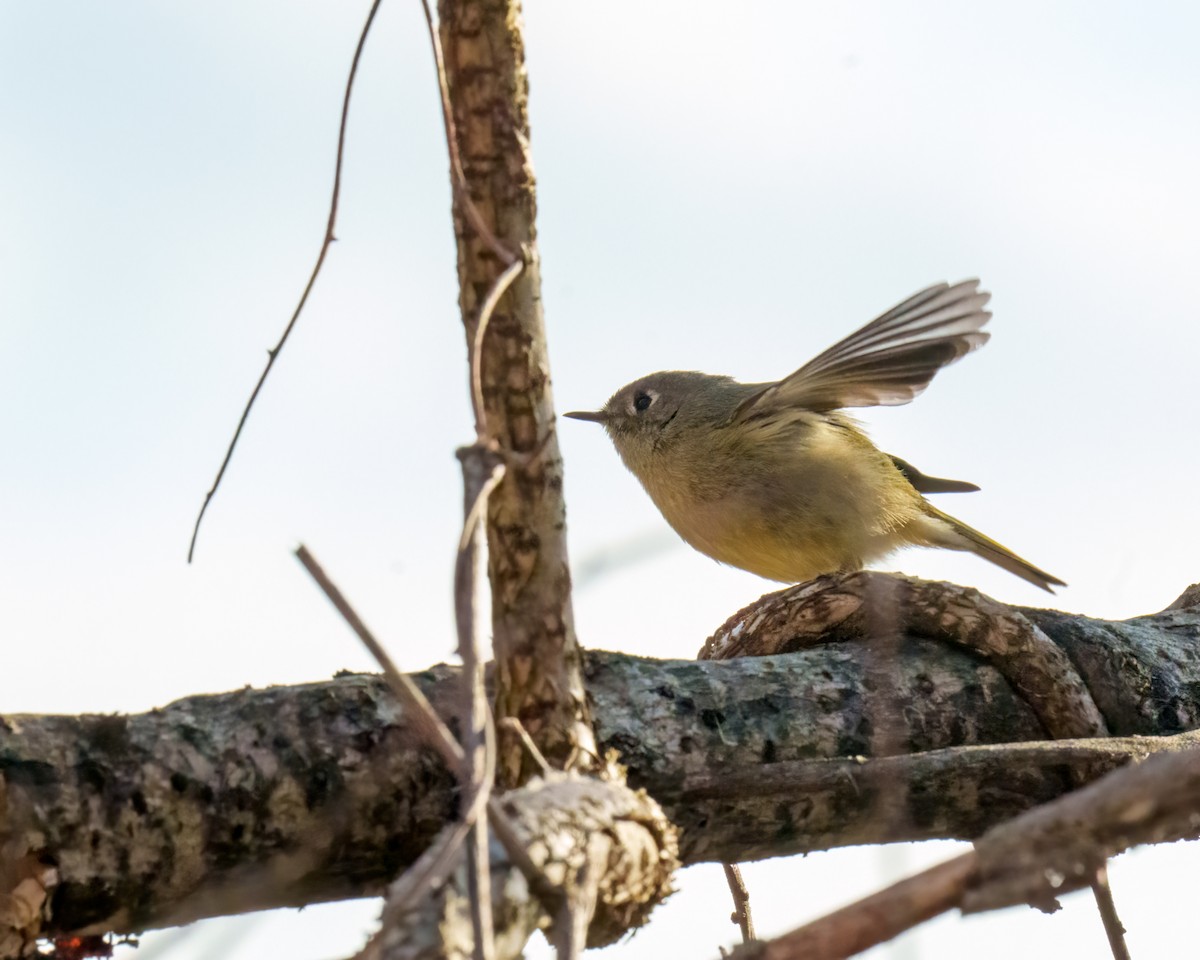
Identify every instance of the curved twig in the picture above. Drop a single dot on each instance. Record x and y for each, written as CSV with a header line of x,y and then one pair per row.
x,y
498,288
273,353
838,608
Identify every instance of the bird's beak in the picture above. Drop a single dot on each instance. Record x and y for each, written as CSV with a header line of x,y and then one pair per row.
x,y
597,416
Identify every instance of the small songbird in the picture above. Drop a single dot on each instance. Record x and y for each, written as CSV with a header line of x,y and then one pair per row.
x,y
770,477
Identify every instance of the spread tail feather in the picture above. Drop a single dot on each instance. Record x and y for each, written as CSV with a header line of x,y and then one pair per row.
x,y
966,538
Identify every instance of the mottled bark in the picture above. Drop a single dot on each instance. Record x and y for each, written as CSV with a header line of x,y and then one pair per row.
x,y
287,796
539,669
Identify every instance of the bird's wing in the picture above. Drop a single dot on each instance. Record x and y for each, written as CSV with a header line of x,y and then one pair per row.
x,y
890,360
925,484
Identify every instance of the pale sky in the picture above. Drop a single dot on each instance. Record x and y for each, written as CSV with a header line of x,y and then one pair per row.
x,y
723,188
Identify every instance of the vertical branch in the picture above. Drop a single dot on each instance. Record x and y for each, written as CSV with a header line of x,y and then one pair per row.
x,y
1113,928
741,902
539,668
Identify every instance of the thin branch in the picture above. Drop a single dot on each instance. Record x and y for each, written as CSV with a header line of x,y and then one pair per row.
x,y
458,176
434,865
437,735
514,726
872,920
482,471
1113,928
476,496
1034,858
479,889
935,770
273,353
429,725
741,901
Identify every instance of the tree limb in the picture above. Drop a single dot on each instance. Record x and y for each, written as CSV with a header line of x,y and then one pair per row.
x,y
288,796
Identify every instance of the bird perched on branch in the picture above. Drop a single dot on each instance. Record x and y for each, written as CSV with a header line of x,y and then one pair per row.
x,y
770,477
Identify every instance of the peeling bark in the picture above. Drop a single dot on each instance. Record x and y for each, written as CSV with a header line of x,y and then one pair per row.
x,y
281,797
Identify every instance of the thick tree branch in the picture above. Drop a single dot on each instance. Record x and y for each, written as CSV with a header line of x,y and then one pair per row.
x,y
256,799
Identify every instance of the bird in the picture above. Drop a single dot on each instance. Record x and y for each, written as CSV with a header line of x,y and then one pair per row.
x,y
776,479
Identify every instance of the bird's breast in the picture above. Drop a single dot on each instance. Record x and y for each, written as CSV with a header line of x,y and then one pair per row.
x,y
787,508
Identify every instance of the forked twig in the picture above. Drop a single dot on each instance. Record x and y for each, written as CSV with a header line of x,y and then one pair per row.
x,y
273,353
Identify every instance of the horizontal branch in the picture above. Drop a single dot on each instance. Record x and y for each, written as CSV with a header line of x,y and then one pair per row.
x,y
1033,858
287,796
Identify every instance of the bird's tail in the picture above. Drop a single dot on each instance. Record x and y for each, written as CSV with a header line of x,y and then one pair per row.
x,y
961,537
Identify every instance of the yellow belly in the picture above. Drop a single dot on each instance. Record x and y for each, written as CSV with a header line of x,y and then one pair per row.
x,y
833,505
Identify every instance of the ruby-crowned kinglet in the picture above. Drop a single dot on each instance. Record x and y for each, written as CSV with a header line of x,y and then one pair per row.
x,y
769,477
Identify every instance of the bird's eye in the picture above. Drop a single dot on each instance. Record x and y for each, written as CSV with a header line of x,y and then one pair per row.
x,y
642,401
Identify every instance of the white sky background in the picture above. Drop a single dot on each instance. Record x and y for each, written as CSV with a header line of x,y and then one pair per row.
x,y
721,188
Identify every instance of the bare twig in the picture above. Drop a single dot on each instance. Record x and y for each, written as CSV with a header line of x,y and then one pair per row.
x,y
935,771
486,309
434,861
514,726
458,176
479,889
482,471
1113,928
434,865
429,725
872,920
741,901
273,353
